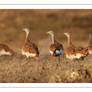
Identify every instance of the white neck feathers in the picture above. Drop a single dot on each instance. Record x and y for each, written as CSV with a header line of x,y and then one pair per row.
x,y
27,32
52,37
90,36
69,38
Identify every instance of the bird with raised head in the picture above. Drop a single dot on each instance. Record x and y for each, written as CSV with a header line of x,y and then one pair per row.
x,y
29,49
74,52
56,48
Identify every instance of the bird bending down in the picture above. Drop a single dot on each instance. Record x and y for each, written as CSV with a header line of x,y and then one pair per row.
x,y
29,49
90,44
73,52
5,50
56,49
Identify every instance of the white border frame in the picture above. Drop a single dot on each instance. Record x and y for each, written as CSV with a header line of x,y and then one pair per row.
x,y
45,6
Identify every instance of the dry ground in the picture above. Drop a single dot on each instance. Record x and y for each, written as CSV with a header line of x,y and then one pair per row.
x,y
18,69
47,70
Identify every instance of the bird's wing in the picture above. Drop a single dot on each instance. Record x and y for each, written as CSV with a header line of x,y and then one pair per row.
x,y
33,48
5,47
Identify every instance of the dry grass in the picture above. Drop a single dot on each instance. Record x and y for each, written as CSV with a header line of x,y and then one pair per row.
x,y
21,70
18,69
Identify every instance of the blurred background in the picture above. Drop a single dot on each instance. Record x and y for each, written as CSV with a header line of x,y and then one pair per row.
x,y
12,22
18,69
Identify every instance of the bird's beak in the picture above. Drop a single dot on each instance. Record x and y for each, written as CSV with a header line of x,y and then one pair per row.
x,y
47,32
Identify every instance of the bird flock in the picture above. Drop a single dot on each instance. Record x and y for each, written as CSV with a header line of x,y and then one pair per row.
x,y
56,49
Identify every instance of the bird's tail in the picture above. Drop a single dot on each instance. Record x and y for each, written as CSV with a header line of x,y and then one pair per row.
x,y
84,51
12,52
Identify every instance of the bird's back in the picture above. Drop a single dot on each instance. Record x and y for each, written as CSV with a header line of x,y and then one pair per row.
x,y
5,49
31,47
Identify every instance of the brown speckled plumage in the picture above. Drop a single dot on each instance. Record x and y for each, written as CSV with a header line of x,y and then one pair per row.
x,y
74,52
30,48
56,48
6,49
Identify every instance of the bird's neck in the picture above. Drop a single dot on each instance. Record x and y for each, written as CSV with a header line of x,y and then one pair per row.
x,y
27,38
69,40
90,42
52,38
90,39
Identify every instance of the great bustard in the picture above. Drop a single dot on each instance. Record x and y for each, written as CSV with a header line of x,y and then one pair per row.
x,y
74,52
5,50
90,44
56,48
30,49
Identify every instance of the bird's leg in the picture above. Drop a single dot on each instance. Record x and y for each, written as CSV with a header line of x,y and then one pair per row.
x,y
58,63
25,59
59,58
37,59
63,55
78,60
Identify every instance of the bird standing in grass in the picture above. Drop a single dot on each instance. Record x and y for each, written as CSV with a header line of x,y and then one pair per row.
x,y
30,49
56,48
74,52
5,50
90,44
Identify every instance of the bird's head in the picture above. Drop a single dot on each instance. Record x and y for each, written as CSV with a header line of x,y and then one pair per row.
x,y
67,34
50,32
26,30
